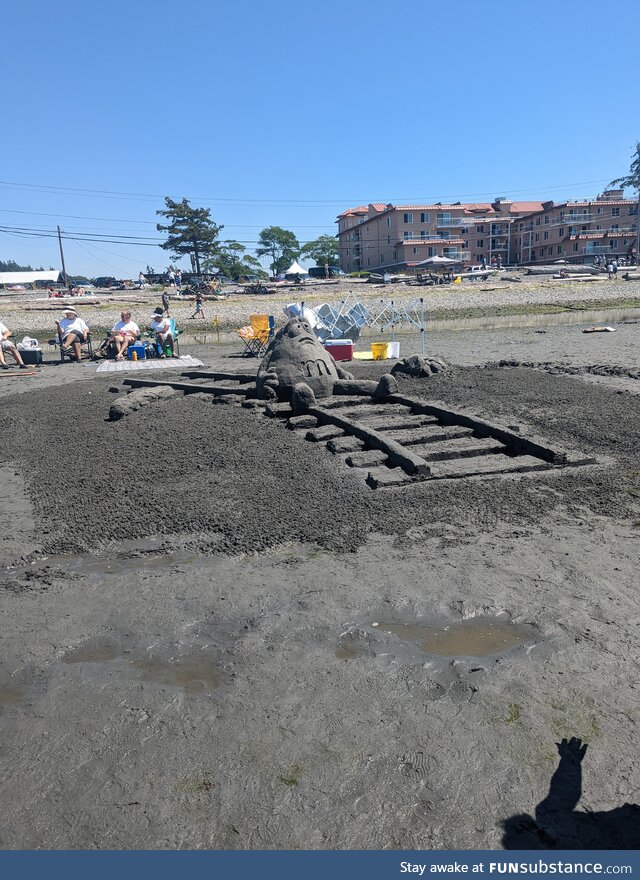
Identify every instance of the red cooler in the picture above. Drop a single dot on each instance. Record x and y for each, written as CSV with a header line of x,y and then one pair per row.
x,y
340,349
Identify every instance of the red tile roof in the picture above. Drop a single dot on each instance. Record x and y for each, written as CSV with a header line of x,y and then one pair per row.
x,y
361,209
524,207
378,206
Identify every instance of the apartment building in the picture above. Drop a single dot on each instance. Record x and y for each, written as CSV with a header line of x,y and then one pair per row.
x,y
578,231
386,237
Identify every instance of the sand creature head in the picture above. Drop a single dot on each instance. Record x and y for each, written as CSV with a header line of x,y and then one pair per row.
x,y
296,355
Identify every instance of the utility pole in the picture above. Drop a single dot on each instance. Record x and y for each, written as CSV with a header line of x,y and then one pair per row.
x,y
64,271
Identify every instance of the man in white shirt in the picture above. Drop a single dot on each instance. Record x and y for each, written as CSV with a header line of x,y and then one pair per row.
x,y
7,345
123,333
162,329
72,331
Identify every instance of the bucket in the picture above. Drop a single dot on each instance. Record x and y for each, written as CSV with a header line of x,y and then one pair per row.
x,y
394,349
380,350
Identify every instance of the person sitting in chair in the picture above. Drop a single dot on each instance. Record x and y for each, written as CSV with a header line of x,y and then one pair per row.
x,y
72,332
7,345
123,334
162,329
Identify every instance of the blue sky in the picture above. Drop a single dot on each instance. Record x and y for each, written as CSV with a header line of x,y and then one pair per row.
x,y
285,113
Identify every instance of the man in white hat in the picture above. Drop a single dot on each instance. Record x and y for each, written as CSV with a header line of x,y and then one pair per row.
x,y
6,345
72,331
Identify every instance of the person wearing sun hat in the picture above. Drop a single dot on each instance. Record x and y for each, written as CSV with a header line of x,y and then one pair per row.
x,y
162,329
6,345
72,331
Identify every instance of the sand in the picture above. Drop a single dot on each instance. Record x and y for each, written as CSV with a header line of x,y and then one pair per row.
x,y
189,651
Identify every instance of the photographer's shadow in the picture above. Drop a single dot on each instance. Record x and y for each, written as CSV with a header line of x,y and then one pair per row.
x,y
557,823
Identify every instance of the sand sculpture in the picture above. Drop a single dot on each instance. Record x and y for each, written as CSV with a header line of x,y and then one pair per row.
x,y
298,369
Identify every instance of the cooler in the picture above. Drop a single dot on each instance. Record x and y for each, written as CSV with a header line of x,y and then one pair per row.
x,y
139,349
30,355
340,349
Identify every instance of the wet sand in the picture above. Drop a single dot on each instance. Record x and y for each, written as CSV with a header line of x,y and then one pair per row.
x,y
190,650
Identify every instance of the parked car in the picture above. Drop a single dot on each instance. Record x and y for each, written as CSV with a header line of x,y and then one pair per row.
x,y
105,281
318,272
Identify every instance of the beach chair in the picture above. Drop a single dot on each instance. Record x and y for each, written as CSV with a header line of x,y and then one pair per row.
x,y
86,348
257,334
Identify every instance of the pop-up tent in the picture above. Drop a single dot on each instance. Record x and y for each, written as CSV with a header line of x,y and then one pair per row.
x,y
295,269
438,261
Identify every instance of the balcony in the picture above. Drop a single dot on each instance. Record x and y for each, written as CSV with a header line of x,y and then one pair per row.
x,y
450,221
594,249
577,218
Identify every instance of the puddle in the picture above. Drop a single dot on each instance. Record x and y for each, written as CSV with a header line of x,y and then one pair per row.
x,y
10,695
475,637
194,674
93,654
195,670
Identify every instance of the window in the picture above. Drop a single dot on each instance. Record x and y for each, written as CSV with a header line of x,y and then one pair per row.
x,y
480,229
537,221
382,258
561,216
480,242
424,233
424,217
388,221
546,235
537,238
388,239
559,251
464,231
575,247
615,212
546,220
550,251
430,251
368,261
615,227
408,218
415,250
599,211
407,234
561,232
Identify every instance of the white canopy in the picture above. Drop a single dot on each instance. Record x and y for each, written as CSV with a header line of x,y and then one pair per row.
x,y
295,269
437,261
29,277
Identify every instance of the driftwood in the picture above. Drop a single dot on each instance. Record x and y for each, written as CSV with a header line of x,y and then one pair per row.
x,y
570,270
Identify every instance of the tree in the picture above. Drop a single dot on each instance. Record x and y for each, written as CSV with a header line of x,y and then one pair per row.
x,y
325,249
12,266
279,244
191,232
231,260
632,179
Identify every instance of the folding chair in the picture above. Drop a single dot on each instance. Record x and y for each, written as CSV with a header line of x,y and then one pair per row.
x,y
85,348
256,335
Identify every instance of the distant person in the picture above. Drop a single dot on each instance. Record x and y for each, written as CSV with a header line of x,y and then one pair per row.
x,y
483,263
199,301
615,268
72,331
123,334
161,327
172,277
326,271
610,270
178,278
7,346
141,281
165,303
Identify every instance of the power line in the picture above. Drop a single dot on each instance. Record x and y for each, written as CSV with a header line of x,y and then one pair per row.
x,y
273,202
